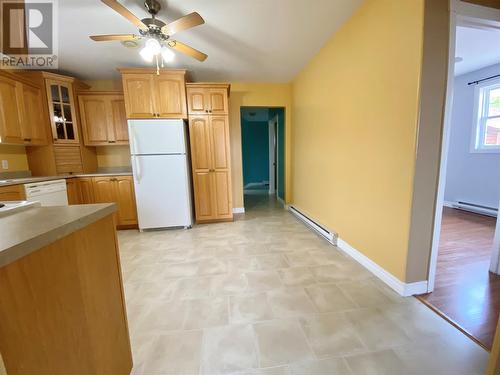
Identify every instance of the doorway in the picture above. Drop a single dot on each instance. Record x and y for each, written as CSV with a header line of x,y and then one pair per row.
x,y
461,288
263,152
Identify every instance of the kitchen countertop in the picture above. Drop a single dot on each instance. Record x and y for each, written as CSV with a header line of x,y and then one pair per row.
x,y
24,232
27,180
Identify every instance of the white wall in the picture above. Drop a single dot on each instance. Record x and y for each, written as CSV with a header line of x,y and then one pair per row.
x,y
471,177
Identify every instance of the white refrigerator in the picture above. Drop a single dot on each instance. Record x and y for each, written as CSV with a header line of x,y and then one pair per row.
x,y
160,166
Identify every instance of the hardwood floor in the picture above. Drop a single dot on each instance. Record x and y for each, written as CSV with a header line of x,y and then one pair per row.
x,y
465,291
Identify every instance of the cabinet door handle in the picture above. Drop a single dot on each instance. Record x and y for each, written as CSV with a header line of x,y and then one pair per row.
x,y
113,179
111,141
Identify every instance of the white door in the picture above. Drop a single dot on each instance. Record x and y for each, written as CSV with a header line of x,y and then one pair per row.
x,y
495,254
152,137
162,191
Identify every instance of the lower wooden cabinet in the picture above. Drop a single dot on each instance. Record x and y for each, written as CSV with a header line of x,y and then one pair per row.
x,y
119,190
109,189
12,193
73,191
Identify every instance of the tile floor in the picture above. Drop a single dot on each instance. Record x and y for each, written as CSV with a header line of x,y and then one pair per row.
x,y
265,296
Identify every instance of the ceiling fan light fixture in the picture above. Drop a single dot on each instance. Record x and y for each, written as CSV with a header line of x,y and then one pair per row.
x,y
154,46
147,55
167,54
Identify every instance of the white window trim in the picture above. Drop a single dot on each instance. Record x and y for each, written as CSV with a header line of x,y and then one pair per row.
x,y
478,129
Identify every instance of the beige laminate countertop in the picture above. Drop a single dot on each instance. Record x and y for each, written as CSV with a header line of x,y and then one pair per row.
x,y
28,180
25,232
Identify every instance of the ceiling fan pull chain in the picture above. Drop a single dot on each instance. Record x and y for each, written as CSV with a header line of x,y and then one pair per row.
x,y
157,66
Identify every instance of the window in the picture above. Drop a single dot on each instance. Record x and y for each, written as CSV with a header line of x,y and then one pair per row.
x,y
487,118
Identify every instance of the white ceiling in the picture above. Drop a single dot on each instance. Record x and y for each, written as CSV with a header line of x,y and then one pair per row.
x,y
477,47
246,40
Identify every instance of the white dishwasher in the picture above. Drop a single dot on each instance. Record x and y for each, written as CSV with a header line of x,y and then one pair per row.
x,y
48,193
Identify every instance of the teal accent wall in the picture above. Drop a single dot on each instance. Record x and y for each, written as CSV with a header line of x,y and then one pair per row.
x,y
255,151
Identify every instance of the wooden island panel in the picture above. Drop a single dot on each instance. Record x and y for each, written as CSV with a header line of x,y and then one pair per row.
x,y
62,309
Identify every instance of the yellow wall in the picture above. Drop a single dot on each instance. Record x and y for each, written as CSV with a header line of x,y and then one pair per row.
x,y
16,156
354,130
245,94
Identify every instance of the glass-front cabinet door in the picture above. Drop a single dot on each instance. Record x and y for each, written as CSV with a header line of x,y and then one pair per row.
x,y
62,111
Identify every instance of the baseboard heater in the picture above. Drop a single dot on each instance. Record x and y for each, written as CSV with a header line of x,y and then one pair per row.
x,y
476,208
318,228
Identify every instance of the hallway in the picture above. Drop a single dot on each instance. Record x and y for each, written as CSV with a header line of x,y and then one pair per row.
x,y
265,295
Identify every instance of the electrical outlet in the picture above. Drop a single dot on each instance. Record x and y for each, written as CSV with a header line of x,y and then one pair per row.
x,y
5,164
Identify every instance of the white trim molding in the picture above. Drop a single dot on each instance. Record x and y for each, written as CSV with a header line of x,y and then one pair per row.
x,y
238,210
403,289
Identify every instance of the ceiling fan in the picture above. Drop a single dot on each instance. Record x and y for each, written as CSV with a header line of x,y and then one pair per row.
x,y
156,32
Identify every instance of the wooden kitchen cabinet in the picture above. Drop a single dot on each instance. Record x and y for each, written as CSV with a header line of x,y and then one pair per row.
x,y
119,190
149,95
210,155
207,99
22,116
73,191
104,121
34,120
12,193
61,104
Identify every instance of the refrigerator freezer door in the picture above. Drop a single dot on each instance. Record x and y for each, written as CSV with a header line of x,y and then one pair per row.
x,y
162,191
153,137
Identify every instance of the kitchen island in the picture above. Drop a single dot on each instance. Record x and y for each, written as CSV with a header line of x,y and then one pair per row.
x,y
62,309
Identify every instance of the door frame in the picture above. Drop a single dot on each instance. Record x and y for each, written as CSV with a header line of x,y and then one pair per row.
x,y
273,157
465,14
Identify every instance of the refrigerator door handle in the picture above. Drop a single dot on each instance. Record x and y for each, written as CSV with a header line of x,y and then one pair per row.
x,y
137,169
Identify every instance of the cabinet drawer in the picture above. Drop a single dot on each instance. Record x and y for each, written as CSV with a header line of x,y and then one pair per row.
x,y
68,159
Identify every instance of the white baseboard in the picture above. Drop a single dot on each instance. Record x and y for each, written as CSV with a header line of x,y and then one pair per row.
x,y
448,204
238,210
403,289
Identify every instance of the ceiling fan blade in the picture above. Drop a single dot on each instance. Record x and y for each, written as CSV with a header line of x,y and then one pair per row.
x,y
117,7
120,37
185,49
183,23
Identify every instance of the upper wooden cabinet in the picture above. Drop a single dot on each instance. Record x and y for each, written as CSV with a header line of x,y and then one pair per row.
x,y
149,95
207,98
103,117
22,113
61,103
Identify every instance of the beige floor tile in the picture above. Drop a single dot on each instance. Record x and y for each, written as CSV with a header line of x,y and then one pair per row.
x,y
365,294
163,316
229,349
174,354
250,308
332,366
179,282
342,271
271,262
211,267
329,298
451,354
375,329
377,363
331,335
281,370
263,280
297,276
300,259
228,284
204,313
195,287
289,302
242,264
281,342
